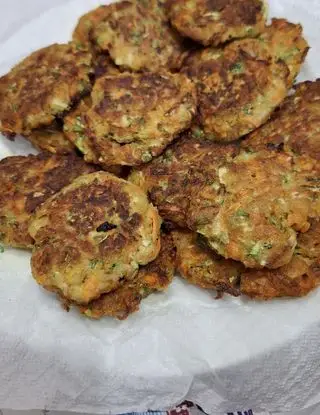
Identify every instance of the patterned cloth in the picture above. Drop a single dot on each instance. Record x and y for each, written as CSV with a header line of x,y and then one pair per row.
x,y
186,408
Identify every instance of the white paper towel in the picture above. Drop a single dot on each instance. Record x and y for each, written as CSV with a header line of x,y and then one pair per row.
x,y
225,355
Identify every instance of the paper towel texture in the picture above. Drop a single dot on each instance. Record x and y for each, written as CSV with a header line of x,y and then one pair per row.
x,y
223,355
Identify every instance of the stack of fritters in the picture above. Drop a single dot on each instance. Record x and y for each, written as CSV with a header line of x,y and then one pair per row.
x,y
194,97
256,202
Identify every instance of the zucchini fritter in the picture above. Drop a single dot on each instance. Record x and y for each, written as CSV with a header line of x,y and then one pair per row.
x,y
153,277
295,279
87,23
295,127
93,235
212,22
42,87
264,200
249,207
284,41
132,117
27,182
203,267
185,167
240,85
101,62
138,36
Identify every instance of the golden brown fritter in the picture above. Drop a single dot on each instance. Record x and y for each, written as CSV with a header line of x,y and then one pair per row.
x,y
42,87
138,36
295,127
240,85
203,267
156,276
249,207
287,44
132,117
87,23
76,138
101,62
27,182
265,198
236,92
295,279
51,139
92,235
281,41
187,166
212,22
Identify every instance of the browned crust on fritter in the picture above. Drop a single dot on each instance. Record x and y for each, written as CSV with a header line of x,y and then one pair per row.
x,y
185,168
212,22
102,63
138,36
248,207
73,128
51,139
241,85
43,86
87,23
203,267
268,197
132,118
296,279
104,66
156,276
92,235
27,182
236,92
295,127
286,41
281,41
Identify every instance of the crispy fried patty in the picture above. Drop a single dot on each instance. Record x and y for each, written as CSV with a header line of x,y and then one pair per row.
x,y
249,207
287,44
92,235
280,41
153,277
138,36
184,168
212,22
51,139
295,127
203,267
87,23
264,198
240,85
27,182
43,86
295,279
132,117
101,62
